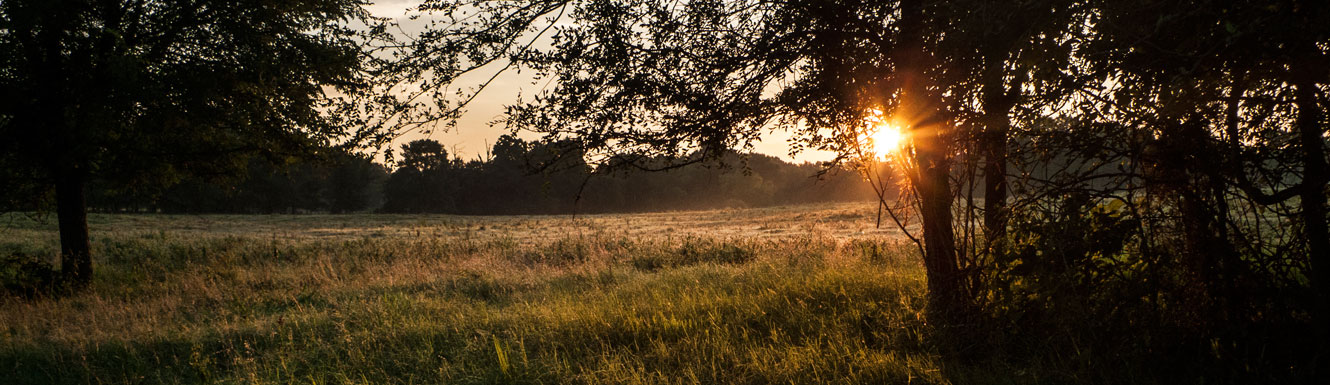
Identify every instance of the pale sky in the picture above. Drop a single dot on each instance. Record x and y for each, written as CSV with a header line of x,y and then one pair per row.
x,y
474,133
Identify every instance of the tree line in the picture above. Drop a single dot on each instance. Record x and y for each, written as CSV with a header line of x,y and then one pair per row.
x,y
516,177
524,177
336,182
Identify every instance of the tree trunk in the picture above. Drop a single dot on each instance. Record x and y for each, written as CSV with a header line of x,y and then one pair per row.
x,y
997,107
72,214
1314,179
931,177
1207,253
945,283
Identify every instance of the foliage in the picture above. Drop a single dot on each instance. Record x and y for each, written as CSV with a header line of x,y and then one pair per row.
x,y
21,275
140,91
335,183
143,93
533,178
1077,276
515,180
1205,120
1060,260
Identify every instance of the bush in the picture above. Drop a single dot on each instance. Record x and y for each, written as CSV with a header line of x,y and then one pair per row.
x,y
26,276
1080,279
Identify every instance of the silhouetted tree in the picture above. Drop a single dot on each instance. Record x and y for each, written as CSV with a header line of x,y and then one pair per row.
x,y
335,182
351,185
140,91
1227,104
656,85
522,177
425,182
1167,151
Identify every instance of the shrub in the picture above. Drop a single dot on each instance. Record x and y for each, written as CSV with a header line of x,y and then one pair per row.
x,y
26,276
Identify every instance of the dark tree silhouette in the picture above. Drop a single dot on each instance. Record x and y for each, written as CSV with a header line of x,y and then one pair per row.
x,y
141,91
522,177
334,182
424,182
1229,98
1172,151
353,184
657,85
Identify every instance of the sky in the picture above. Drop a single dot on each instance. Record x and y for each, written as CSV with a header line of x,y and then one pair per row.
x,y
474,133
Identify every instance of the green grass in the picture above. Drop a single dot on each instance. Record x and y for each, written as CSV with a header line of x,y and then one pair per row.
x,y
438,299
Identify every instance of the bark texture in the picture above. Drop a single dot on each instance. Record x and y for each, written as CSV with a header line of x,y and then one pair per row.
x,y
72,213
930,135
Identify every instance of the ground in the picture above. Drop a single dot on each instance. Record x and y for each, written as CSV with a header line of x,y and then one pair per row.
x,y
804,294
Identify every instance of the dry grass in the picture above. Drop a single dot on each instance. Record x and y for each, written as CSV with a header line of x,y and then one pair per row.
x,y
793,294
838,220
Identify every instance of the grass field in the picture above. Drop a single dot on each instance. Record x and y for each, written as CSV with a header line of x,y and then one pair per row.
x,y
809,294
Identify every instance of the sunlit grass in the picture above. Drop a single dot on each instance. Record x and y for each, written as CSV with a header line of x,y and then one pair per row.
x,y
202,300
185,304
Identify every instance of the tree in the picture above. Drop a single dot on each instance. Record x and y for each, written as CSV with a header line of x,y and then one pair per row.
x,y
1003,60
425,182
658,85
143,91
1166,150
351,185
1229,98
424,155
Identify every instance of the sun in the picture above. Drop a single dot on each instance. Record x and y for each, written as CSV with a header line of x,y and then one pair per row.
x,y
887,139
881,137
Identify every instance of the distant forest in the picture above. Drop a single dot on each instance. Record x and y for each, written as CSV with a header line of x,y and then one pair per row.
x,y
516,177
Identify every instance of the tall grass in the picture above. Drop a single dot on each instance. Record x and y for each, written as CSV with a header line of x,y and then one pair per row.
x,y
177,306
475,300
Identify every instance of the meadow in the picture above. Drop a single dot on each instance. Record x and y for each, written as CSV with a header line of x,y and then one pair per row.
x,y
799,294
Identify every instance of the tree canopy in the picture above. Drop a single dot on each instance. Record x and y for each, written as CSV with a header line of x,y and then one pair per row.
x,y
137,92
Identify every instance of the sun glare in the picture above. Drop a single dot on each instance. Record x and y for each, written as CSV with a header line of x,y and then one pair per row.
x,y
887,139
882,137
